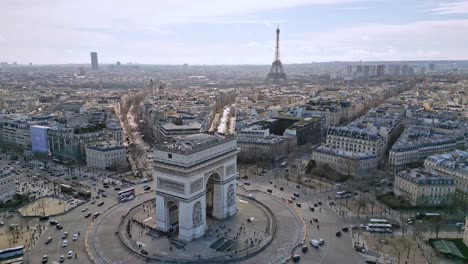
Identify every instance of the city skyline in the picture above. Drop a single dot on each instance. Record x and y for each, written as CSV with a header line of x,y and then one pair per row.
x,y
177,33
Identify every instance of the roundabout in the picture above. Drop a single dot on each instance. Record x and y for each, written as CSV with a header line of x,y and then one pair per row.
x,y
264,230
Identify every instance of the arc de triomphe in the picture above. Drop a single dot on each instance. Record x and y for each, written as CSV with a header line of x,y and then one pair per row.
x,y
195,176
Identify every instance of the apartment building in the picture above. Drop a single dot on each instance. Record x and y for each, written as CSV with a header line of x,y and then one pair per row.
x,y
416,144
422,187
453,165
105,155
7,184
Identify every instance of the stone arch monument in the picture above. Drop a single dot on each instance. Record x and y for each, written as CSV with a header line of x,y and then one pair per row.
x,y
195,177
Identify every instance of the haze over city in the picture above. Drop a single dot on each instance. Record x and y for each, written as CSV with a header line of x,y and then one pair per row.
x,y
231,32
248,131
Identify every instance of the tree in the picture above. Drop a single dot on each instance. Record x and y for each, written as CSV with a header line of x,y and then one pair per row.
x,y
361,203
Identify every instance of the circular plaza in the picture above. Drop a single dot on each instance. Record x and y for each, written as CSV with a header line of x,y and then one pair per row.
x,y
263,229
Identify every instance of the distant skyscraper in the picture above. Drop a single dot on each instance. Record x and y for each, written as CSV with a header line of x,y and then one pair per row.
x,y
94,61
432,66
380,70
366,70
349,69
276,71
404,69
359,69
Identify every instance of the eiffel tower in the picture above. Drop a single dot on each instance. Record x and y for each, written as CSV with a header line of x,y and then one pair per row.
x,y
276,71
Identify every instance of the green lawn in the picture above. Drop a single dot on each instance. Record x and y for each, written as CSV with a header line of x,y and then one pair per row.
x,y
394,202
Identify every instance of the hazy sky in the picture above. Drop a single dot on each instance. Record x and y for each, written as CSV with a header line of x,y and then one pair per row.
x,y
231,32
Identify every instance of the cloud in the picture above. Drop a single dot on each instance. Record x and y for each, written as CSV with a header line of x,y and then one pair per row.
x,y
423,40
450,8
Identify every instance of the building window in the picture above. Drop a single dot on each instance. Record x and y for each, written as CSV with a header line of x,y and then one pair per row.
x,y
169,155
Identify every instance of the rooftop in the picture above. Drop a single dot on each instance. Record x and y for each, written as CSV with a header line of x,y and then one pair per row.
x,y
188,144
424,177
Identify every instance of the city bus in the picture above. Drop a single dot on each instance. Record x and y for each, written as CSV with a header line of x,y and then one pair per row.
x,y
428,216
342,195
378,221
126,195
380,228
10,253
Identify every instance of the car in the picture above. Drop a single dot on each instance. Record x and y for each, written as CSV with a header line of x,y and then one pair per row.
x,y
87,215
62,258
315,219
250,219
296,194
353,226
44,218
345,229
298,186
312,208
296,258
362,226
2,223
146,188
93,201
368,261
269,190
459,224
331,203
251,196
117,189
97,197
64,243
96,214
245,177
104,195
281,189
290,201
299,205
314,243
84,209
338,234
304,249
247,183
320,203
315,204
270,181
144,252
70,254
100,203
48,240
293,198
64,235
45,258
321,241
462,228
75,237
58,226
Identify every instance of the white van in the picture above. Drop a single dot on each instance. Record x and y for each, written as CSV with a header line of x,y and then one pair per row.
x,y
314,243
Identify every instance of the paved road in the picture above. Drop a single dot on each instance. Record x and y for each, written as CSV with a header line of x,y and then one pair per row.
x,y
335,249
72,222
106,250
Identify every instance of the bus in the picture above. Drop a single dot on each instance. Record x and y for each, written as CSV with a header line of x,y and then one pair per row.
x,y
342,195
378,221
65,188
126,195
380,228
428,216
10,253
